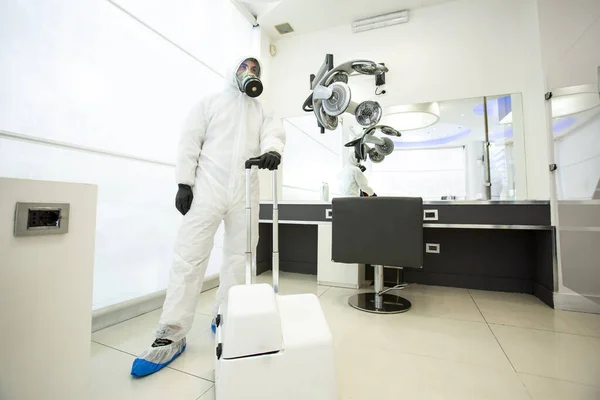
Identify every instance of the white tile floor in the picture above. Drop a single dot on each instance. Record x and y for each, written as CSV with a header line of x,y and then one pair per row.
x,y
453,344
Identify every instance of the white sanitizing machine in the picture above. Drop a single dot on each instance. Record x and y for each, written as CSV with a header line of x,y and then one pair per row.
x,y
272,347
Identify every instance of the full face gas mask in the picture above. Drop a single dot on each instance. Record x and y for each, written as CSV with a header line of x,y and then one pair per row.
x,y
248,78
331,96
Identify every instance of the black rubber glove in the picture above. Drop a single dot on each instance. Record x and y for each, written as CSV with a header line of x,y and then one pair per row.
x,y
269,160
183,199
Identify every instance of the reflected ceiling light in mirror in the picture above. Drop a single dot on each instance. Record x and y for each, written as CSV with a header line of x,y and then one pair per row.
x,y
573,100
413,116
445,134
560,124
569,101
496,106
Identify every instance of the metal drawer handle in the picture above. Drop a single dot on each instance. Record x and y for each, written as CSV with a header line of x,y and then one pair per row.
x,y
433,248
430,215
328,213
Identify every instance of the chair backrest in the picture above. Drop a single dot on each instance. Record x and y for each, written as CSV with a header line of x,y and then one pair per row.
x,y
378,230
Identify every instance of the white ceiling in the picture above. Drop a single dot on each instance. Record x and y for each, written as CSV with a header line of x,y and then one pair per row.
x,y
307,16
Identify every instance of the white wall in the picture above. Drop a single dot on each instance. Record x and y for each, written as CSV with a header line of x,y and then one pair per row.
x,y
46,295
461,49
569,32
310,159
578,159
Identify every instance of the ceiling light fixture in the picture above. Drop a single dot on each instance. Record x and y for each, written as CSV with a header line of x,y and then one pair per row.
x,y
380,21
413,116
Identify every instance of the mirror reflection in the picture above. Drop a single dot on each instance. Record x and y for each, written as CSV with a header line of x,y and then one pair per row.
x,y
575,127
463,149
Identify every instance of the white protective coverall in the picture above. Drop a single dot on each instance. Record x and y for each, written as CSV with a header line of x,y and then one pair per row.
x,y
353,180
220,134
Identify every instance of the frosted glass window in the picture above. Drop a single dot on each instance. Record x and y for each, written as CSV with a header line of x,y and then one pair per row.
x,y
427,173
214,31
86,73
136,222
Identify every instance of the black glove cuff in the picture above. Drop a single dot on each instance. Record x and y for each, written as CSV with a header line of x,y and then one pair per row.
x,y
184,186
275,154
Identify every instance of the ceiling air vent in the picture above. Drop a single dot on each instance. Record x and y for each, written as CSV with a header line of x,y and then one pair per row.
x,y
284,28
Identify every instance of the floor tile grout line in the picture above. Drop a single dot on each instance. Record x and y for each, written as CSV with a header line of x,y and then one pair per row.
x,y
478,321
171,368
203,314
495,337
520,378
114,348
450,360
544,330
560,380
190,374
502,348
477,305
531,328
208,390
326,290
126,320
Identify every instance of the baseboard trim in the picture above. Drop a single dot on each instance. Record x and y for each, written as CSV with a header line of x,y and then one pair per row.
x,y
577,302
338,284
544,294
112,315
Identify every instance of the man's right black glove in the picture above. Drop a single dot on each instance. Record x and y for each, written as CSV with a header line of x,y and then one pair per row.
x,y
183,199
269,160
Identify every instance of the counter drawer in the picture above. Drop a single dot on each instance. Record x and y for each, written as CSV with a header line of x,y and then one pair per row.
x,y
487,214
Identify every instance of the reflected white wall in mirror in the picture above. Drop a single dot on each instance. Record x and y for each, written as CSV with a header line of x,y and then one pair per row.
x,y
426,161
446,160
577,145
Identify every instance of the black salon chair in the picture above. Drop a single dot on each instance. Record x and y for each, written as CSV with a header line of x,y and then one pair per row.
x,y
381,231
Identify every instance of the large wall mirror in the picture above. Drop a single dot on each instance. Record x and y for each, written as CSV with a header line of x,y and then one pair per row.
x,y
576,137
464,149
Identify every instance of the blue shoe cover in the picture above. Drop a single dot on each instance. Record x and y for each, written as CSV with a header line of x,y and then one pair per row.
x,y
156,358
213,327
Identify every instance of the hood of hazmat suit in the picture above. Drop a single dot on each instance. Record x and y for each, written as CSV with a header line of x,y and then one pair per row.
x,y
352,179
221,132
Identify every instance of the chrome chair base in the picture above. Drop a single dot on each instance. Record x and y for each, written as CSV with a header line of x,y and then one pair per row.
x,y
379,303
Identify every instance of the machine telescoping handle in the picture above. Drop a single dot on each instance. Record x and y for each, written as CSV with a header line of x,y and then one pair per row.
x,y
249,164
253,162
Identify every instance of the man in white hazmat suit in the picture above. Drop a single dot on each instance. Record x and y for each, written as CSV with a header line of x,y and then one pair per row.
x,y
353,179
220,134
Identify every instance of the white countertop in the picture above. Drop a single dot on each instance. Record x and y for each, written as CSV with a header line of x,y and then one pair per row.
x,y
436,202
